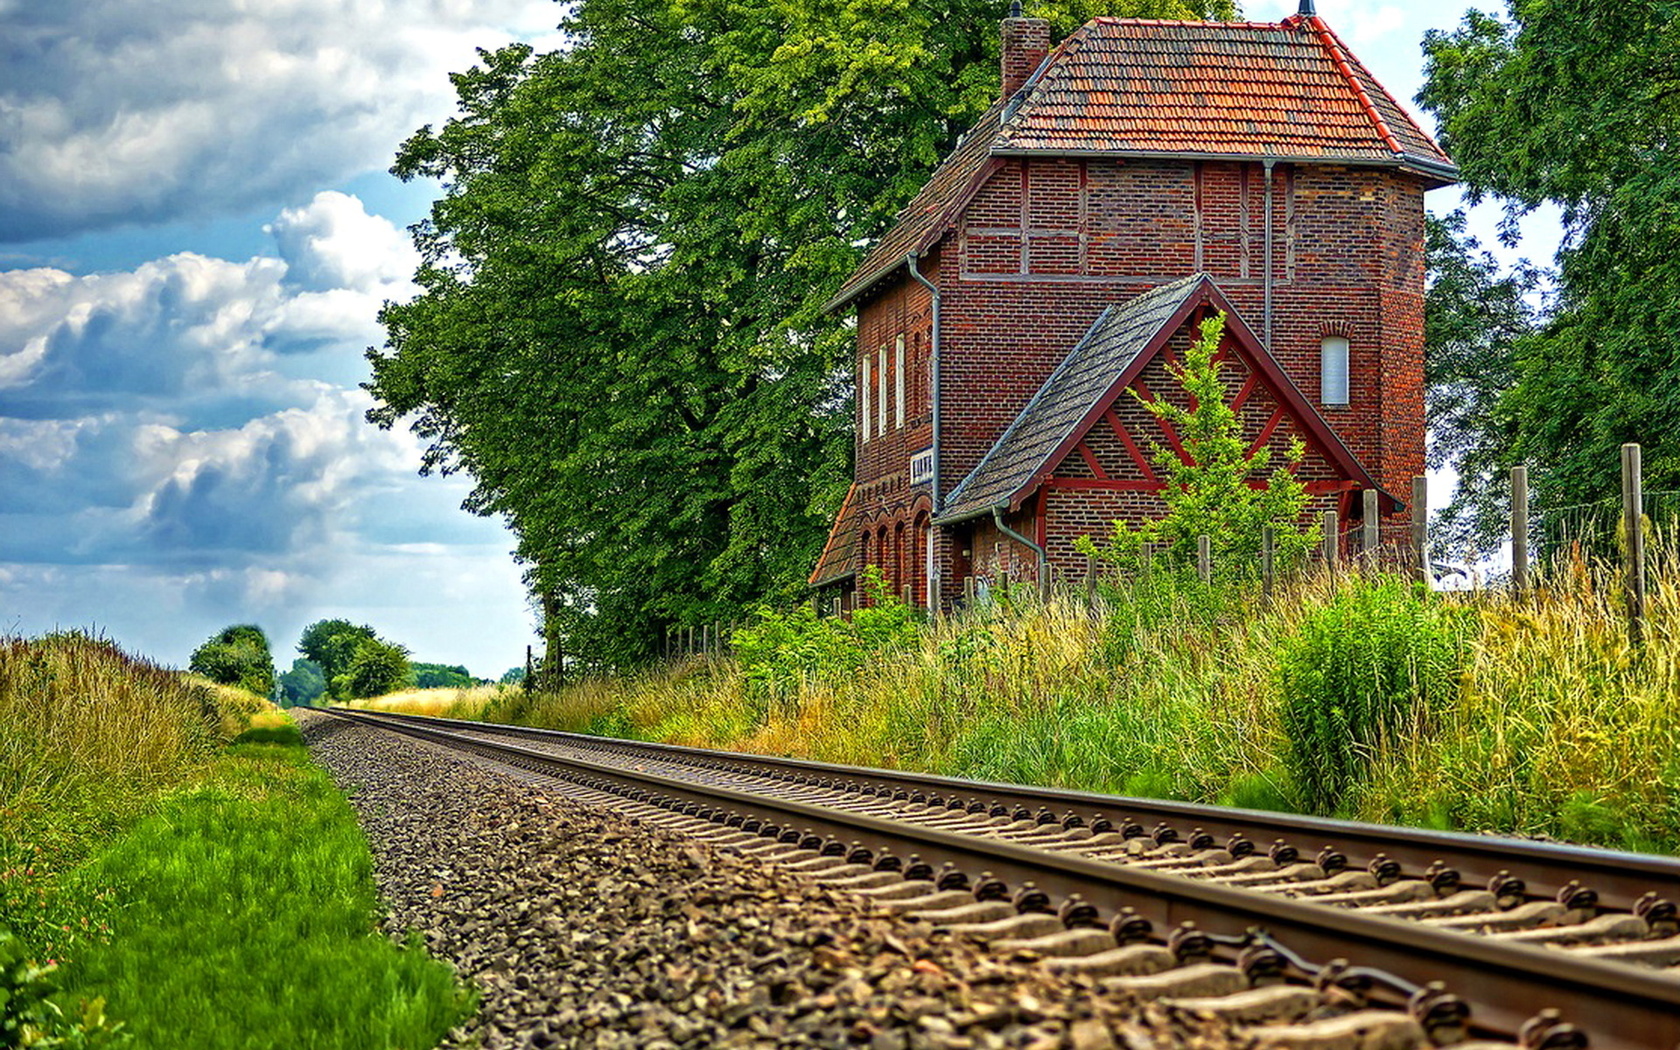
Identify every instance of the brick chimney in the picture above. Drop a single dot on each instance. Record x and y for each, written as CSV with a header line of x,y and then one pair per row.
x,y
1025,43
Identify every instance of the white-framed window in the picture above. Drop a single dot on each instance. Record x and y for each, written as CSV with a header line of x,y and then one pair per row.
x,y
1333,370
898,383
881,400
863,391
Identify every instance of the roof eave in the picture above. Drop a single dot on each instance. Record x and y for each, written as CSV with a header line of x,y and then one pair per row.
x,y
1434,169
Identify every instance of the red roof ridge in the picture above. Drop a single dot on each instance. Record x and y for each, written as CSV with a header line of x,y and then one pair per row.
x,y
1116,20
1338,56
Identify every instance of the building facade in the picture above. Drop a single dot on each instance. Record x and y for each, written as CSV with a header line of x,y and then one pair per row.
x,y
1142,173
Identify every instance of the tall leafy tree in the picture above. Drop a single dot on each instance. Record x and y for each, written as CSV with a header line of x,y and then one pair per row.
x,y
1577,102
1475,314
619,335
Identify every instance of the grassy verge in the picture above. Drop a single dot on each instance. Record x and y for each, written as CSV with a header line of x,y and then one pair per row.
x,y
1369,699
170,848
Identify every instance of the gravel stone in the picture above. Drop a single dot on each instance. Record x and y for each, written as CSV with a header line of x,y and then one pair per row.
x,y
583,927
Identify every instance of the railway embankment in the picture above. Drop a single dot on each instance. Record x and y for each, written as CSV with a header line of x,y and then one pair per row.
x,y
1362,697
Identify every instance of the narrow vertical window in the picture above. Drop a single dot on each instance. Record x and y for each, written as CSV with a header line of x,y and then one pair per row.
x,y
863,389
898,381
1333,370
881,392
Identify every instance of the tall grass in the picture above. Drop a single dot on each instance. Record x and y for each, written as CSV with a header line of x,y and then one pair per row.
x,y
1471,711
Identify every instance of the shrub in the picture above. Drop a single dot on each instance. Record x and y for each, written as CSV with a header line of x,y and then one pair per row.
x,y
1360,672
783,650
376,667
240,656
30,1016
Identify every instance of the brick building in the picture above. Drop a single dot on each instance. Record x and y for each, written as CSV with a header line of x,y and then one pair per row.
x,y
1127,183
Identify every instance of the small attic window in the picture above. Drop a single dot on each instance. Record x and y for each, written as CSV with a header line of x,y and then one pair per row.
x,y
1333,370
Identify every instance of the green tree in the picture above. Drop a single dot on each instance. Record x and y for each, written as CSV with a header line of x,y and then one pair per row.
x,y
237,655
304,684
331,644
376,667
442,676
1577,103
1475,314
1211,495
620,335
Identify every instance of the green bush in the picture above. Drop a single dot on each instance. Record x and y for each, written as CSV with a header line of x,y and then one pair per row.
x,y
240,656
1360,673
782,650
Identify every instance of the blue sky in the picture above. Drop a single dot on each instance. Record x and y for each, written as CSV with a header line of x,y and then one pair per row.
x,y
196,231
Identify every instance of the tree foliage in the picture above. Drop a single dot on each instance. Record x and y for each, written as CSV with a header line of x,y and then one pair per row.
x,y
620,335
1475,314
304,684
1577,103
1208,490
237,655
376,667
442,676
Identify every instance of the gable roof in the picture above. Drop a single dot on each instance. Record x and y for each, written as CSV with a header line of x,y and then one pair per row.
x,y
839,555
1288,90
1130,87
1108,359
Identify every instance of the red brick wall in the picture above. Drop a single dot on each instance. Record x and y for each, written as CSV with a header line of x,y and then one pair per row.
x,y
1048,243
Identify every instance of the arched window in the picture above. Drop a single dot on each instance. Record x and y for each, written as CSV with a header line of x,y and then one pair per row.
x,y
899,578
1333,370
924,548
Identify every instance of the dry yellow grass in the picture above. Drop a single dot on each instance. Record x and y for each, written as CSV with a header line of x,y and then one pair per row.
x,y
444,702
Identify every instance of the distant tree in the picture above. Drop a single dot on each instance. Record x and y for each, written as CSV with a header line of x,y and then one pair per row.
x,y
1211,495
332,644
376,667
303,684
513,676
442,676
238,655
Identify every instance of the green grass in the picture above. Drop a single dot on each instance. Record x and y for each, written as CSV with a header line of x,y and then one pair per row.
x,y
1471,711
170,847
243,913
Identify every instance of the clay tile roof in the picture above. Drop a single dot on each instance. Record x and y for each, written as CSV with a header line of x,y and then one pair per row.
x,y
839,555
1138,87
1088,372
1234,89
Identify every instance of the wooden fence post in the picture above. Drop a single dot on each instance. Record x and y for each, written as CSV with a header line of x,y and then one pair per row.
x,y
1046,579
1633,514
1146,556
530,671
1519,532
1420,527
968,592
909,594
1268,549
1372,527
1332,540
1204,558
1090,582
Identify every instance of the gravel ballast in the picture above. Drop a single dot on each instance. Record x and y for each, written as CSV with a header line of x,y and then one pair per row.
x,y
582,927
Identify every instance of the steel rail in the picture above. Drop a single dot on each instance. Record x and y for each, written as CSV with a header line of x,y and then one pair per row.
x,y
1620,878
1622,1008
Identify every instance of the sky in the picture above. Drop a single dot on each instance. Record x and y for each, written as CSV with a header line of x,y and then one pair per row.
x,y
196,233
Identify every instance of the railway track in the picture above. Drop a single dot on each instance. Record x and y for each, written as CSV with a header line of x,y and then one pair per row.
x,y
1455,939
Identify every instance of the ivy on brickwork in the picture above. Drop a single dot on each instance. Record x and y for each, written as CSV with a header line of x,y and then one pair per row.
x,y
1211,495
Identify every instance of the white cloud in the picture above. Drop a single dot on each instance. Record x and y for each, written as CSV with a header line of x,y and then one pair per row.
x,y
190,332
114,112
